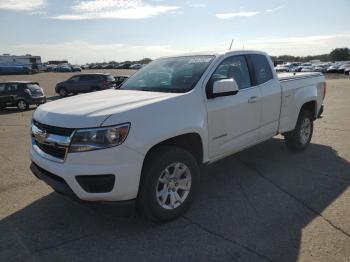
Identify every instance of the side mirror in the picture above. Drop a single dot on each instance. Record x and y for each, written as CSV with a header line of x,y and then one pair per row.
x,y
224,87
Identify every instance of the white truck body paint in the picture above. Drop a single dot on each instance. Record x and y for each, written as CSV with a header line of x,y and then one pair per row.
x,y
225,124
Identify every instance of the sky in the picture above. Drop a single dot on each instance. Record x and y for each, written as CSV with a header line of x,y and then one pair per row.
x,y
85,31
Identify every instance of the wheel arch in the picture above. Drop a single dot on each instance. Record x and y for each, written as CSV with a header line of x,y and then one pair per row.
x,y
310,106
191,142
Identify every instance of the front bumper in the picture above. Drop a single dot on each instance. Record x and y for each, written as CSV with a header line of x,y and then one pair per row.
x,y
37,100
121,162
61,187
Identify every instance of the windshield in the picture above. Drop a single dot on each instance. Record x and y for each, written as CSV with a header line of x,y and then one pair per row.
x,y
173,75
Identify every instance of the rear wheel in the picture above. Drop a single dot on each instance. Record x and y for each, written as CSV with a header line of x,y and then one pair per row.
x,y
300,137
22,105
170,180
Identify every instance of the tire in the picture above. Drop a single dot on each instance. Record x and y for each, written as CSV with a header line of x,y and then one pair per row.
x,y
62,91
22,105
157,185
300,137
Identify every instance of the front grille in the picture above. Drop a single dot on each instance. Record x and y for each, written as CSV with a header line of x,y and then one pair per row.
x,y
53,150
55,146
62,131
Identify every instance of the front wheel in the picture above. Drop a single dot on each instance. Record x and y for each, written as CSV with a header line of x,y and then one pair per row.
x,y
300,137
22,105
169,182
63,92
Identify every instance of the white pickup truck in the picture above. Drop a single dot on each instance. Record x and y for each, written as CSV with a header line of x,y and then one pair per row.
x,y
145,142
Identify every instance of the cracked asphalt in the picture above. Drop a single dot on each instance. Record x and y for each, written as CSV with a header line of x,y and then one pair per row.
x,y
263,204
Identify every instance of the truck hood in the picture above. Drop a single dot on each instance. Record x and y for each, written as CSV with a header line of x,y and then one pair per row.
x,y
91,110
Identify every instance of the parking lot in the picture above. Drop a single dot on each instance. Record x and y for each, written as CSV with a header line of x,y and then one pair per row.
x,y
263,204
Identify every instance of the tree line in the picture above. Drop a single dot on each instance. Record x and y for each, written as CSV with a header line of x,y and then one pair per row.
x,y
337,54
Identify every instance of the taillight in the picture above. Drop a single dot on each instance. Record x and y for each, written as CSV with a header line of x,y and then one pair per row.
x,y
27,91
324,89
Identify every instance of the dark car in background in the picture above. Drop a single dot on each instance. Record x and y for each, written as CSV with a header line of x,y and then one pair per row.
x,y
63,68
21,94
124,66
119,80
76,68
85,83
9,70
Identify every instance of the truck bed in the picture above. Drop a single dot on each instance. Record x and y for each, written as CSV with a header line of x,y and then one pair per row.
x,y
297,75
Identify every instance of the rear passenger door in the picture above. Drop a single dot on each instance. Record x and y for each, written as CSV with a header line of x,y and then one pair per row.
x,y
270,94
11,91
85,83
234,120
3,97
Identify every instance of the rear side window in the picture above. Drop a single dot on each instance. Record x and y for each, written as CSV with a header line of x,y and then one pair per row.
x,y
233,67
12,88
2,88
33,87
75,78
86,78
262,68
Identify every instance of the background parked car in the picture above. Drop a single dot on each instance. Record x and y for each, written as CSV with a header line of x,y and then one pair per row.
x,y
85,83
136,66
307,69
347,71
21,94
332,69
124,66
76,68
282,68
7,70
63,68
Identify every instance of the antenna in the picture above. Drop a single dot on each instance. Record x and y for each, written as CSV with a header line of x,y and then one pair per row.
x,y
231,45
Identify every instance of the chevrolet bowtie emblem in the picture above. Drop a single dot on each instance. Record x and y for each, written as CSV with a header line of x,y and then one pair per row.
x,y
40,135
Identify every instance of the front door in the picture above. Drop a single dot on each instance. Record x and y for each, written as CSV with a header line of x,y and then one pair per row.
x,y
74,84
234,120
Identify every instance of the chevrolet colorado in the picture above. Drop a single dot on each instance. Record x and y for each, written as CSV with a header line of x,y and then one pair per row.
x,y
146,141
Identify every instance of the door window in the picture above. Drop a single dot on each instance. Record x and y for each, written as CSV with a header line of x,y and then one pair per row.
x,y
11,88
75,79
2,88
233,67
85,78
262,68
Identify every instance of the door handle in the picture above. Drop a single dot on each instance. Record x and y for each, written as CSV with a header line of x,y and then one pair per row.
x,y
253,99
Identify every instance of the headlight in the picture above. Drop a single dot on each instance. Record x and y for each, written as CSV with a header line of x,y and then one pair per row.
x,y
99,138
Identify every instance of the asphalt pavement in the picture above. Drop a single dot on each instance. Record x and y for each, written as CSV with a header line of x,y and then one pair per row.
x,y
263,204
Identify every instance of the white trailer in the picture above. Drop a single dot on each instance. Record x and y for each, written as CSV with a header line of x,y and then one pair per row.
x,y
33,62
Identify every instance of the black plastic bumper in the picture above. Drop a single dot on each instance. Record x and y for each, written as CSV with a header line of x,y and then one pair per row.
x,y
61,187
37,101
57,183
